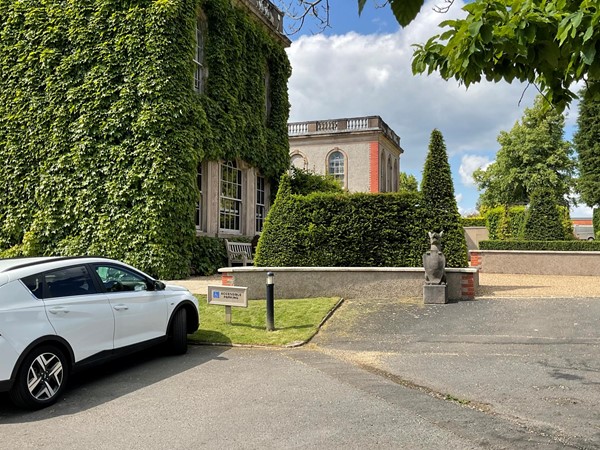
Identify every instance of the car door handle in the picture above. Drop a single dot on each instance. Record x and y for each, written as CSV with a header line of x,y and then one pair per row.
x,y
58,310
121,307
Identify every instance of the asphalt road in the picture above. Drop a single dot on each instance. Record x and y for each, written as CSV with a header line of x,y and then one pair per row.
x,y
493,373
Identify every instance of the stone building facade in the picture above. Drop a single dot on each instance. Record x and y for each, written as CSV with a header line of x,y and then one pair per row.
x,y
363,153
234,197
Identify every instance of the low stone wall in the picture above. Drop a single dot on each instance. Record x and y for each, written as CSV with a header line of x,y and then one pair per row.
x,y
536,262
348,282
474,235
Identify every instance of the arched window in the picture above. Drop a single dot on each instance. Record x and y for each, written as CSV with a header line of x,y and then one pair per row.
x,y
299,161
336,167
201,72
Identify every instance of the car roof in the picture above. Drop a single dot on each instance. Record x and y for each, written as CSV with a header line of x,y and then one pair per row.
x,y
42,263
12,263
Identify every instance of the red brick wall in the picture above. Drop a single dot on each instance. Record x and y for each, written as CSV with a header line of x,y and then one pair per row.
x,y
467,284
374,166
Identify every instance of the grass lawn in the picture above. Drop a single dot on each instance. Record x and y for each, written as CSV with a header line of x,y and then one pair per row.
x,y
295,321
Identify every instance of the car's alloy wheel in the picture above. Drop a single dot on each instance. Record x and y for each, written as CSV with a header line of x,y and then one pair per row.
x,y
41,378
45,376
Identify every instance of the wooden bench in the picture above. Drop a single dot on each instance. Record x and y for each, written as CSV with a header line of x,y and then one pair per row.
x,y
239,252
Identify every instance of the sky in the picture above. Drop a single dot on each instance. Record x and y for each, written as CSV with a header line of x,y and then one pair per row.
x,y
361,66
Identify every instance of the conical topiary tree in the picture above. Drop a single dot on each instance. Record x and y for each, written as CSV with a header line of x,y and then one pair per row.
x,y
543,221
439,202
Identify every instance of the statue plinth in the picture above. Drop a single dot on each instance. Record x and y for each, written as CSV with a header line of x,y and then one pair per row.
x,y
435,293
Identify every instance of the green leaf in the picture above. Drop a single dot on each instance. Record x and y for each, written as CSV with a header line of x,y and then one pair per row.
x,y
588,54
361,5
588,33
404,10
474,28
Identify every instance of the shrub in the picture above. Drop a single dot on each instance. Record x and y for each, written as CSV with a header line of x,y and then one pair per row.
x,y
473,221
350,230
439,203
596,222
505,222
208,255
571,245
304,182
542,220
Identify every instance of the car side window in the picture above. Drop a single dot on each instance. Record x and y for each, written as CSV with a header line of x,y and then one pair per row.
x,y
35,283
69,281
117,279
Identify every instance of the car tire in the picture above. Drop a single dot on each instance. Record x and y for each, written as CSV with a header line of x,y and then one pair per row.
x,y
177,344
41,378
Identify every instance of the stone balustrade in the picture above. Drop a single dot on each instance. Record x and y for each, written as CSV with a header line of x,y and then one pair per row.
x,y
367,123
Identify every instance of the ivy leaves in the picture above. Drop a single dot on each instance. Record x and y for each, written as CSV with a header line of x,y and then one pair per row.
x,y
552,44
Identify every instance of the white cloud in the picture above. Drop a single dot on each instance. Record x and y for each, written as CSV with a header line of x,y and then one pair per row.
x,y
353,75
469,164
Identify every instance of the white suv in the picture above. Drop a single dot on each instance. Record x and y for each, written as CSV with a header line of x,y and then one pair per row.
x,y
61,314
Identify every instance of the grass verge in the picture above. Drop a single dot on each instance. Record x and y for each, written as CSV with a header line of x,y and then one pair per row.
x,y
296,321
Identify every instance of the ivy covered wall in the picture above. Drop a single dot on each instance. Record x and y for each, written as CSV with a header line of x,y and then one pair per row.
x,y
101,130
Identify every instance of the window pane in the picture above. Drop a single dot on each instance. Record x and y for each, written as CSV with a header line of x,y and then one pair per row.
x,y
35,284
231,197
336,166
69,281
260,203
117,279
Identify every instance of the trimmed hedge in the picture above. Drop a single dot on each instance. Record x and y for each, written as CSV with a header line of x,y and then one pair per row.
x,y
543,220
566,246
505,222
596,222
208,255
473,221
350,230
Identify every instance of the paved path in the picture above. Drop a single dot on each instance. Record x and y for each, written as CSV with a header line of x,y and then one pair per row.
x,y
529,361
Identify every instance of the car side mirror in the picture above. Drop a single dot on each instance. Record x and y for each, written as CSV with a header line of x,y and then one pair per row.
x,y
159,285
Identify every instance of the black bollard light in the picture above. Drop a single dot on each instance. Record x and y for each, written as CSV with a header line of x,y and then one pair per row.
x,y
270,302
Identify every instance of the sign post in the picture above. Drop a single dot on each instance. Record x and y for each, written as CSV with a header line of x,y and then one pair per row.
x,y
228,296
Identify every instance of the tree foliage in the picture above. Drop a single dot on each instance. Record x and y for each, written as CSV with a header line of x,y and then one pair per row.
x,y
304,182
587,144
542,220
550,43
439,203
532,154
407,182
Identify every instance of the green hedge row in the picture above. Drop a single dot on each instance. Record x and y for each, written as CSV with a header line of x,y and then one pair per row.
x,y
508,222
572,245
353,230
473,221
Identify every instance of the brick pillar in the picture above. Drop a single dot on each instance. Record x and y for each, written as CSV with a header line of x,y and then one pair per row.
x,y
374,166
467,286
476,259
227,280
